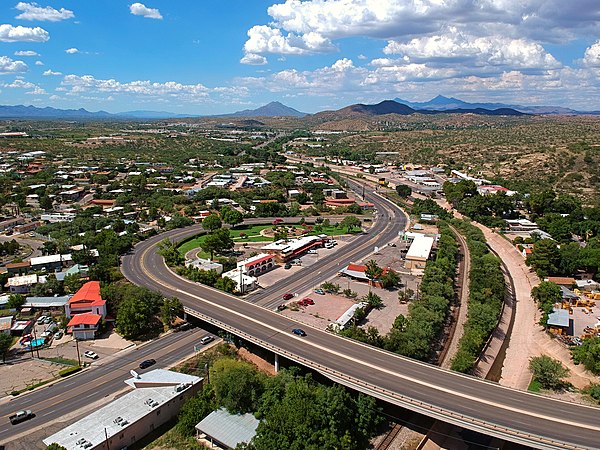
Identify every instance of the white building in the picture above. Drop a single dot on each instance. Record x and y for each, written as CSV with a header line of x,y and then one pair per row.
x,y
156,398
205,264
418,252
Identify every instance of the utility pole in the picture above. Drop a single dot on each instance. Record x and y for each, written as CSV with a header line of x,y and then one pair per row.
x,y
37,350
78,355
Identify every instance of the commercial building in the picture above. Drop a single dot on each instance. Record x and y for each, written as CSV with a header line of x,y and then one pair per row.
x,y
286,249
156,398
418,252
85,309
205,264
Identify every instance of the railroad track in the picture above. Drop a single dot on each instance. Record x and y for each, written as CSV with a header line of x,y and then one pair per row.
x,y
384,445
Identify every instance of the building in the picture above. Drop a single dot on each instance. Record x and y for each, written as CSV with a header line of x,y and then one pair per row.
x,y
567,282
50,263
357,272
244,283
84,326
156,398
286,249
345,318
419,252
22,284
87,300
6,324
559,321
521,225
46,302
227,430
21,327
205,264
257,265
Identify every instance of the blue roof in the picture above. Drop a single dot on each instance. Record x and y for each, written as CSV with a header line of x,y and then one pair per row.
x,y
559,318
229,429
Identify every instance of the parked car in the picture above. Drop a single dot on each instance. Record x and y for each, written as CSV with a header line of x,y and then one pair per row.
x,y
48,320
41,320
277,221
20,416
319,291
206,339
287,296
90,354
281,307
328,245
287,266
299,332
306,301
147,363
58,335
312,251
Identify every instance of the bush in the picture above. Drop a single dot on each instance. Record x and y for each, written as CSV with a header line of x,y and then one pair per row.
x,y
549,372
69,371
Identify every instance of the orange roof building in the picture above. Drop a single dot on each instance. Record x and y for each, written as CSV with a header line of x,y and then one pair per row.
x,y
84,326
87,300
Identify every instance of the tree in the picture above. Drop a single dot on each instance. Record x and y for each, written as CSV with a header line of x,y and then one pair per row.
x,y
373,271
232,217
588,354
195,409
45,203
389,279
548,372
545,257
212,223
72,283
51,287
403,190
15,301
546,294
133,317
170,309
373,300
226,284
237,385
5,344
218,241
168,250
55,446
350,223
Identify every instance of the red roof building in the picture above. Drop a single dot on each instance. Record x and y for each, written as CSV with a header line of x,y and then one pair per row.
x,y
84,326
87,300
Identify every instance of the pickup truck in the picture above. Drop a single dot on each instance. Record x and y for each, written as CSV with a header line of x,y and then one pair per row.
x,y
20,416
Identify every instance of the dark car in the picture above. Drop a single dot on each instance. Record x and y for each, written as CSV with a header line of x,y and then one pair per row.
x,y
288,296
147,363
299,332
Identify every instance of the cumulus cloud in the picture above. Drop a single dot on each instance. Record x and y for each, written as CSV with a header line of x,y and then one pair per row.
x,y
36,91
265,39
139,9
72,51
49,73
459,47
8,65
253,59
9,33
33,11
39,63
26,53
591,56
19,83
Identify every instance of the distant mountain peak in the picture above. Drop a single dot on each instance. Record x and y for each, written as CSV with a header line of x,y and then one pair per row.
x,y
272,109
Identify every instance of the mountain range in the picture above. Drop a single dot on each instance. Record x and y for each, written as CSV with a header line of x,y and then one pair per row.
x,y
436,105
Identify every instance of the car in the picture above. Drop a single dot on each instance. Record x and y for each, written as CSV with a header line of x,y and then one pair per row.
x,y
90,354
41,320
58,335
329,245
147,363
277,221
48,320
306,301
287,296
319,291
312,251
392,244
298,332
287,266
20,416
206,339
281,307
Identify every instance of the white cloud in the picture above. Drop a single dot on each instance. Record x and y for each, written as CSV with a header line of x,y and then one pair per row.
x,y
9,33
39,63
26,53
49,73
36,91
253,59
139,9
8,65
591,57
20,84
72,51
33,11
455,47
265,39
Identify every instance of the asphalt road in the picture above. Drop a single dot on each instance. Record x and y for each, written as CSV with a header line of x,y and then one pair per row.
x,y
469,401
102,380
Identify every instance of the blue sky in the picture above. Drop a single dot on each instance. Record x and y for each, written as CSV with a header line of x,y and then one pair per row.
x,y
218,56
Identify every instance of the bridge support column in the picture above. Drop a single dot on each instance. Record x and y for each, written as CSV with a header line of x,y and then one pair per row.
x,y
185,316
276,363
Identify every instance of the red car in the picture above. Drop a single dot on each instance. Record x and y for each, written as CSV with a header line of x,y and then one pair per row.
x,y
306,301
288,296
277,221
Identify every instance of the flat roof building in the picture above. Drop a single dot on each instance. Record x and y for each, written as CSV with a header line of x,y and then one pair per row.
x,y
419,252
227,430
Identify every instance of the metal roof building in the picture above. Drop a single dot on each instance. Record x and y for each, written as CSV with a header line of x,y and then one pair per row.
x,y
227,429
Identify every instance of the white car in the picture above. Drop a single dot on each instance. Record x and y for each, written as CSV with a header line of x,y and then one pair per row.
x,y
312,252
90,354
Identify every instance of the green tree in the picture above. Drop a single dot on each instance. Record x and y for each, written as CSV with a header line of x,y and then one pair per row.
x,y
232,217
350,223
389,279
170,309
546,294
373,271
51,287
545,257
403,190
588,354
15,301
212,222
55,446
226,284
133,318
72,283
373,300
5,344
549,372
45,203
217,242
195,409
168,250
237,385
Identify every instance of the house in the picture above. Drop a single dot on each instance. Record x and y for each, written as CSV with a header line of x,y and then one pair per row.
x,y
205,264
23,284
419,252
21,327
6,324
156,398
84,326
20,268
345,318
50,263
227,430
562,281
46,302
244,283
87,300
357,272
587,285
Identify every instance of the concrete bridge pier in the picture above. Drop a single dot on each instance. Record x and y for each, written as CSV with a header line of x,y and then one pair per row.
x,y
276,363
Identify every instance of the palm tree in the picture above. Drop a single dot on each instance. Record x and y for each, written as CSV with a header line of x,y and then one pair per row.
x,y
372,271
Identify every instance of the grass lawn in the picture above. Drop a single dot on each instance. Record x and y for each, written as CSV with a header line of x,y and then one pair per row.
x,y
253,235
534,386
